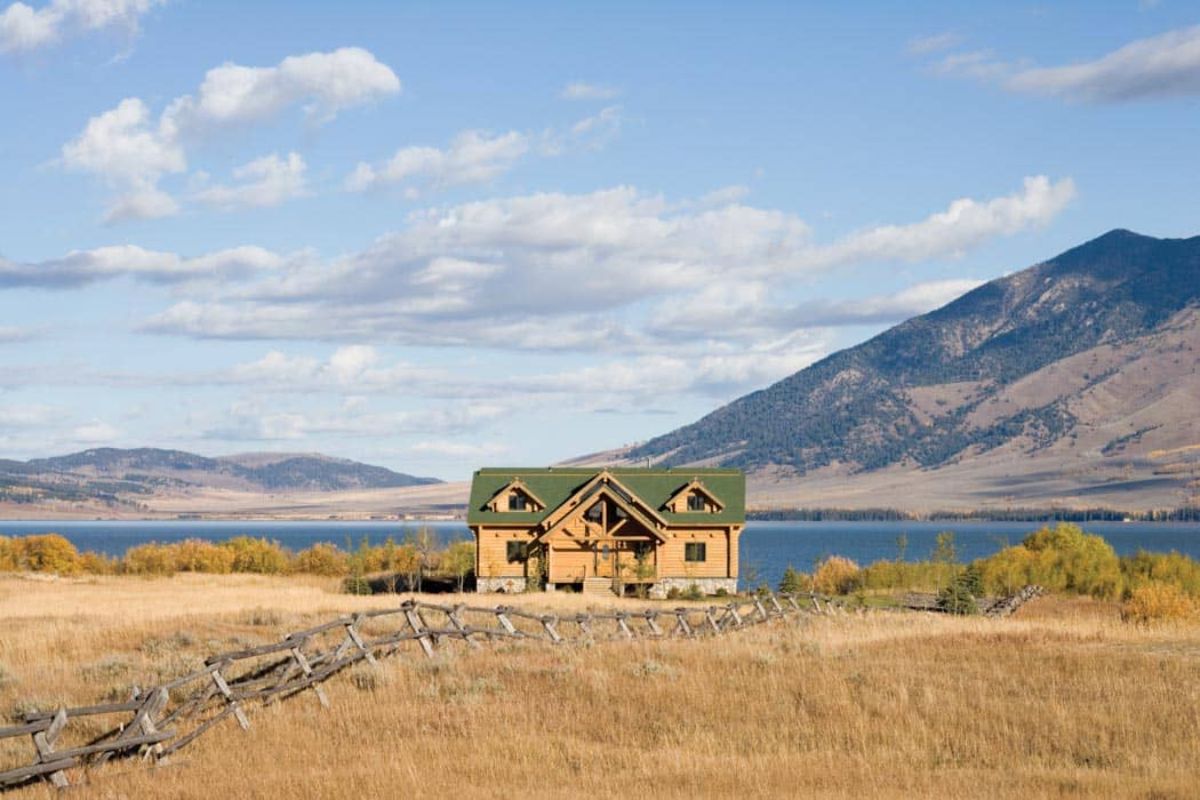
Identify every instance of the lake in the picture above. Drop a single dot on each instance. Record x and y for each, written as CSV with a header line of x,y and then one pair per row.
x,y
767,547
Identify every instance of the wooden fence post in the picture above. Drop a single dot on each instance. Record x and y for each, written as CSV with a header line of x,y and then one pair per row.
x,y
460,626
505,622
775,603
548,622
760,608
223,688
414,622
44,742
652,622
306,670
354,639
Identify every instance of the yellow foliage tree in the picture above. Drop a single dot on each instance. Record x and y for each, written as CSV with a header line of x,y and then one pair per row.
x,y
322,558
1157,602
836,575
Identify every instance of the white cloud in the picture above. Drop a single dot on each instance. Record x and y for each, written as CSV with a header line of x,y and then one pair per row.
x,y
472,157
1167,65
924,45
266,181
132,152
24,28
1160,66
250,420
750,312
965,224
601,126
323,83
96,432
589,133
27,416
580,272
80,267
10,333
351,368
588,91
468,452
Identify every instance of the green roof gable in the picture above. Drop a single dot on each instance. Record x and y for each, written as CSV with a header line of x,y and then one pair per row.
x,y
554,485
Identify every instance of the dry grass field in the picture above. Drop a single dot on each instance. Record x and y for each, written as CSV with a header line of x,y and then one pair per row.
x,y
1064,700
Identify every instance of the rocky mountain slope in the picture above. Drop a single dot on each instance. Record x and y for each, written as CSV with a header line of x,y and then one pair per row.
x,y
1073,381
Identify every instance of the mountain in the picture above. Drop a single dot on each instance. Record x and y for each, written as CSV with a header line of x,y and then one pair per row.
x,y
1082,364
136,479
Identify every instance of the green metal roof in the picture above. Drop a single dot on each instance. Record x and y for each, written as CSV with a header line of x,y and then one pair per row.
x,y
554,485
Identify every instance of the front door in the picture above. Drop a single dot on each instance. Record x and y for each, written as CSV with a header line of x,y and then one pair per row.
x,y
604,555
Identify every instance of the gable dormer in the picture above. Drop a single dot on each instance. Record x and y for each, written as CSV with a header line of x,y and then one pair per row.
x,y
516,497
694,498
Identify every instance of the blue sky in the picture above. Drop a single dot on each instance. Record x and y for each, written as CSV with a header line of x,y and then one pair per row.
x,y
436,236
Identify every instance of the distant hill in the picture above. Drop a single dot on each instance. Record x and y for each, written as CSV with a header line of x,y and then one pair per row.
x,y
1083,365
118,477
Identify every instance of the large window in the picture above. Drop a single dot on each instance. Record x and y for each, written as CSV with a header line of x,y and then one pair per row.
x,y
695,551
695,502
516,552
517,502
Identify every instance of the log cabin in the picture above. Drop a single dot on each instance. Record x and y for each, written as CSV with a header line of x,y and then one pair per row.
x,y
620,529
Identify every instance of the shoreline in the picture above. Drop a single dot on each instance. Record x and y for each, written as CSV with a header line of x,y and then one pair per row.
x,y
1186,514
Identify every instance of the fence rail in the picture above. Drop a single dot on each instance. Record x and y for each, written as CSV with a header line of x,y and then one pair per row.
x,y
158,722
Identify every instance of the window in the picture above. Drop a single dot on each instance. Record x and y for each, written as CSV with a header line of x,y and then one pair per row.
x,y
594,513
695,551
516,552
604,551
695,503
517,502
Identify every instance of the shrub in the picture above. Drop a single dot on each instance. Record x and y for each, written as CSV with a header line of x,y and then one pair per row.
x,y
97,563
692,592
198,555
257,555
1174,568
49,552
836,575
794,582
1157,602
1006,572
149,559
957,597
1062,558
9,560
322,559
459,561
356,584
915,575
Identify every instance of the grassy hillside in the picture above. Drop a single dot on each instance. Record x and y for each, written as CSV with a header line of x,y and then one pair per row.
x,y
129,479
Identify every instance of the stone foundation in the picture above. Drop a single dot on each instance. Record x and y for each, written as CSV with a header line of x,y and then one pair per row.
x,y
507,585
707,586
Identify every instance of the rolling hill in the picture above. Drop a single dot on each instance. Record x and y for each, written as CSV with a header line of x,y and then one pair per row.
x,y
1073,382
145,479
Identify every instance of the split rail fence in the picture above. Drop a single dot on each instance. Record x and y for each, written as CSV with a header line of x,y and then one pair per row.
x,y
160,721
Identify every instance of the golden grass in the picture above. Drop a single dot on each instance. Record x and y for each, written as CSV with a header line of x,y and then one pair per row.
x,y
1063,701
